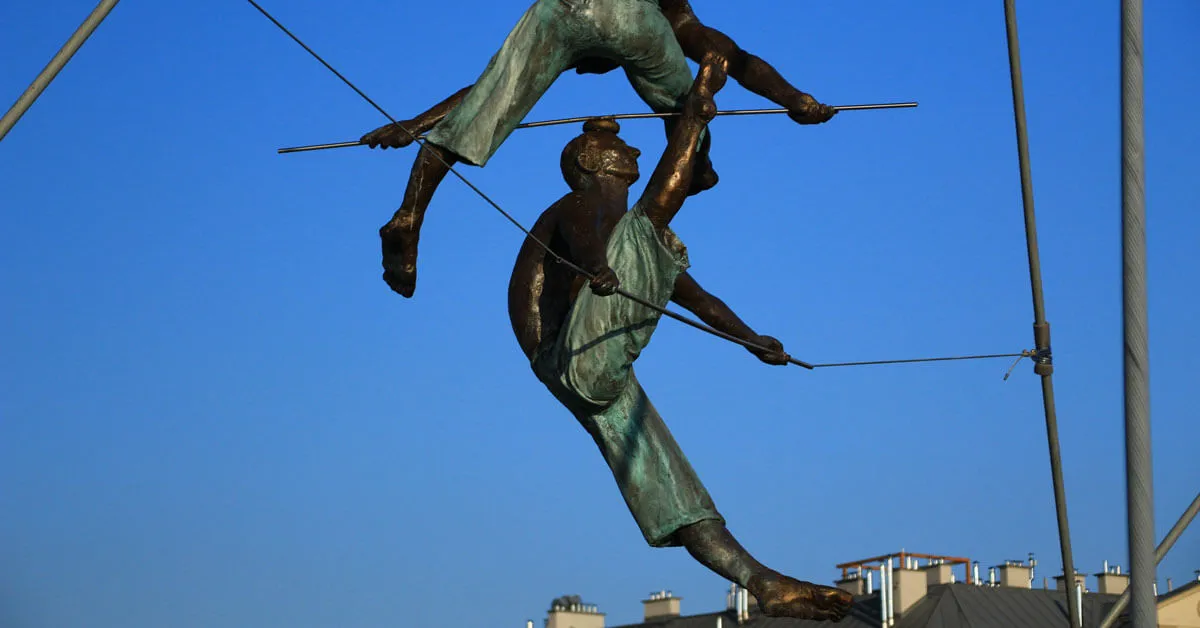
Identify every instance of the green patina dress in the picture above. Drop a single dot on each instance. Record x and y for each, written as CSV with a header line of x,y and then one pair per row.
x,y
588,366
551,36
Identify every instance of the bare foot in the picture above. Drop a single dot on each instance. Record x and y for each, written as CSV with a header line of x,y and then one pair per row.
x,y
399,241
781,596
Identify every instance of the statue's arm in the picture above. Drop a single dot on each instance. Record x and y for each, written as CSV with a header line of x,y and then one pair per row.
x,y
669,185
750,71
716,314
392,136
577,222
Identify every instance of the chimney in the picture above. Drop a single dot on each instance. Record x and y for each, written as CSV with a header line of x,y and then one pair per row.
x,y
569,611
853,583
1060,582
661,604
938,572
1111,581
1015,574
910,584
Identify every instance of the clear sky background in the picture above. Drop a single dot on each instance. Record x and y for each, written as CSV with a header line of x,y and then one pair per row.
x,y
214,413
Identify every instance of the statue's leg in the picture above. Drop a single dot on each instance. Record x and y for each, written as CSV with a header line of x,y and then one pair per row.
x,y
400,235
658,71
711,543
532,57
590,370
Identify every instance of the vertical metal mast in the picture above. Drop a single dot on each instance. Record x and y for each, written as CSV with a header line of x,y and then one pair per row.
x,y
1139,484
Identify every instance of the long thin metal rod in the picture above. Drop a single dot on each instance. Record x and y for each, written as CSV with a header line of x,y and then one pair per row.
x,y
1139,484
621,116
919,360
1159,554
56,64
1043,364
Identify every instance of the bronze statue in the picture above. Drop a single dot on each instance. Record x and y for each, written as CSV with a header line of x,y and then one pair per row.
x,y
650,39
582,340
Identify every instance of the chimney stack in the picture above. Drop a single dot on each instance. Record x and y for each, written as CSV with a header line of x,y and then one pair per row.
x,y
938,572
1060,582
569,611
853,583
661,604
1111,581
910,585
1015,574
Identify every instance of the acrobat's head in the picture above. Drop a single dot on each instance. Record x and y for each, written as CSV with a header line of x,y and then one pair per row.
x,y
599,152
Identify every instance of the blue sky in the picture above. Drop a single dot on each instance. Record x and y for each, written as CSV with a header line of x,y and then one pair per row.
x,y
214,413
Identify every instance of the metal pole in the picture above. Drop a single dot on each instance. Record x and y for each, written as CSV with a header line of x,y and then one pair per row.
x,y
1043,364
623,116
56,64
1167,543
1139,485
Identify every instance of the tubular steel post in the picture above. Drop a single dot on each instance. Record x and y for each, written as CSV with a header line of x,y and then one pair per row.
x,y
1043,364
1159,554
1139,484
56,64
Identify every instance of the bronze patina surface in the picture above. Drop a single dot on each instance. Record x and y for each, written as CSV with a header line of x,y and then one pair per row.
x,y
650,40
582,340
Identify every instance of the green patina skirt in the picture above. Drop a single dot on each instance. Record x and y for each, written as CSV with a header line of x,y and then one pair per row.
x,y
589,369
550,37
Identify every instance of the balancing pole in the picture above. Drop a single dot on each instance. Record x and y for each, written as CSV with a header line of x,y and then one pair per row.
x,y
621,116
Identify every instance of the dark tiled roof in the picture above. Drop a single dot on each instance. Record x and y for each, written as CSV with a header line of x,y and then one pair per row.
x,y
967,606
945,606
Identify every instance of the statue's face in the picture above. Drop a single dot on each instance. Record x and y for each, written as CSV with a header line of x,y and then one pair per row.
x,y
616,157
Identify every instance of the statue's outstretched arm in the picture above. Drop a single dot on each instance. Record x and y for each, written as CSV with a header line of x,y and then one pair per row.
x,y
716,314
391,136
672,178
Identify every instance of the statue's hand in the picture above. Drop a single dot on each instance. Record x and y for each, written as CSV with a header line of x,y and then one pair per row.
x,y
809,111
605,282
391,135
774,354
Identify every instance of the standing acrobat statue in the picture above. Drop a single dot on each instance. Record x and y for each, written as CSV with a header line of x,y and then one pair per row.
x,y
582,340
650,39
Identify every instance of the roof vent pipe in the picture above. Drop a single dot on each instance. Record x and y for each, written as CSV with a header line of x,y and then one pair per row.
x,y
883,594
1079,599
